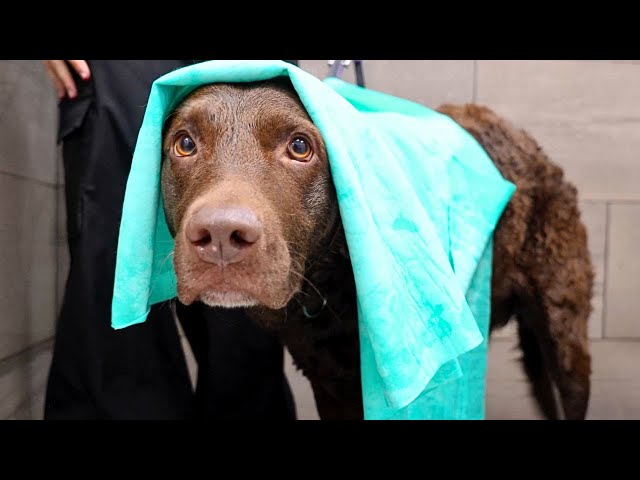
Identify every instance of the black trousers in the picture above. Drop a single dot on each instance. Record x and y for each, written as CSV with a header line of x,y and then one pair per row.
x,y
140,372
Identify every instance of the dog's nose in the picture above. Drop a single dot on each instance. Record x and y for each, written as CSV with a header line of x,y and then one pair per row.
x,y
223,235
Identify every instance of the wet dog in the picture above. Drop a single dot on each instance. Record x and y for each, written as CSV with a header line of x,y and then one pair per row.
x,y
250,202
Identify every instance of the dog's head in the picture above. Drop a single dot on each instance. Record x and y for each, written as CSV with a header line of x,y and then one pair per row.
x,y
247,193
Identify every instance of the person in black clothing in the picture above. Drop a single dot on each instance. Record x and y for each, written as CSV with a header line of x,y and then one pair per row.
x,y
138,372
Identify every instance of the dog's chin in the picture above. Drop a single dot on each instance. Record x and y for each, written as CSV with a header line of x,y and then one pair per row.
x,y
235,298
229,299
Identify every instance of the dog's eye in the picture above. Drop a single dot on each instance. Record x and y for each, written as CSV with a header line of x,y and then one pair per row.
x,y
299,149
185,146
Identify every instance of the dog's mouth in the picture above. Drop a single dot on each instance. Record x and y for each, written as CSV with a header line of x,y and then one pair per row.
x,y
234,293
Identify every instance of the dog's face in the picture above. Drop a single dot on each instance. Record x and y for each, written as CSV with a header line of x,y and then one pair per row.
x,y
247,193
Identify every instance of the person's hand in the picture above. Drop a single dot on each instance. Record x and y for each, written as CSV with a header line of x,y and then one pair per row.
x,y
58,71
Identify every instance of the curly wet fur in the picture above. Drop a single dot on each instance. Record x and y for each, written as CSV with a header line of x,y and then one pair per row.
x,y
542,277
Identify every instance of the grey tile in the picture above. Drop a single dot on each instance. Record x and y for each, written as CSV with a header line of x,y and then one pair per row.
x,y
40,263
31,68
28,122
9,78
12,343
594,216
302,393
429,82
22,383
584,114
22,413
623,265
31,409
36,403
28,263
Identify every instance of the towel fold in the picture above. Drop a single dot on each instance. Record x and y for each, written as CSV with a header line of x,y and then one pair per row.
x,y
419,200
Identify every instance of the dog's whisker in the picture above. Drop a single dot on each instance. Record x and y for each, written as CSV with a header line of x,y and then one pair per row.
x,y
309,282
164,261
166,258
300,304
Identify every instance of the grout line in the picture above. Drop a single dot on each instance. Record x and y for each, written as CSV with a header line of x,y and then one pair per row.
x,y
503,340
7,362
618,339
25,404
474,92
607,226
30,179
622,201
619,62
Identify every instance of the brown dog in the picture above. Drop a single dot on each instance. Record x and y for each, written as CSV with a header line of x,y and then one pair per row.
x,y
250,201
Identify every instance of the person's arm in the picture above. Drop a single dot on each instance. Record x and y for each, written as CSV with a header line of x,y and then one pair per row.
x,y
58,71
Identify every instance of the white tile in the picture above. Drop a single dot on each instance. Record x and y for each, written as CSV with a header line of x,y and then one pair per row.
x,y
594,216
429,82
585,115
623,265
616,381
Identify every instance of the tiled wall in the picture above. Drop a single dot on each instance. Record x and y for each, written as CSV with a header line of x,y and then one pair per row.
x,y
29,246
586,114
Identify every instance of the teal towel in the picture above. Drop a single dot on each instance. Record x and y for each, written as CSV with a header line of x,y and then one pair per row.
x,y
419,200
